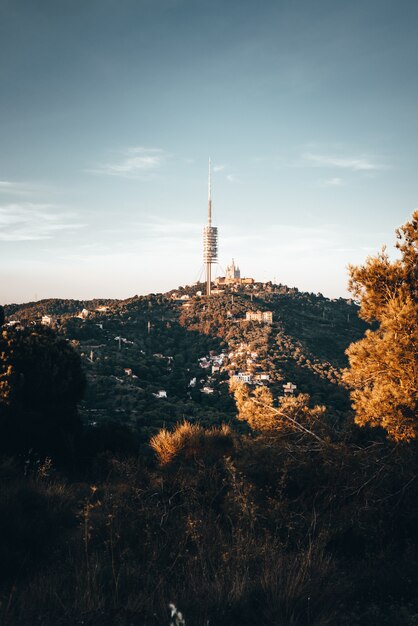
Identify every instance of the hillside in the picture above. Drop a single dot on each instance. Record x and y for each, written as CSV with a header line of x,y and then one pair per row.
x,y
285,514
156,359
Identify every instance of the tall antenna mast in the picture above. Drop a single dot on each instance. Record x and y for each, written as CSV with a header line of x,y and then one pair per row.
x,y
210,240
209,197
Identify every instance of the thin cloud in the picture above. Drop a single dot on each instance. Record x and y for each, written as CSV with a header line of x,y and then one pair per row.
x,y
34,222
24,188
157,240
133,162
15,188
218,168
355,164
8,186
331,182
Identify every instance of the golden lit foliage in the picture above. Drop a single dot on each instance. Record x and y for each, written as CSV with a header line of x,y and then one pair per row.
x,y
383,370
191,441
292,413
254,405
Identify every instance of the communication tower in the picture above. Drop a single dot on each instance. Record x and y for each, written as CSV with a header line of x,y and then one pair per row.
x,y
210,241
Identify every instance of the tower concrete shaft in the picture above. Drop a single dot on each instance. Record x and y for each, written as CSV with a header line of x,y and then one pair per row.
x,y
210,240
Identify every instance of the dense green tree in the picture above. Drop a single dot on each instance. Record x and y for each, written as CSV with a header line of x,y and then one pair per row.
x,y
383,369
41,382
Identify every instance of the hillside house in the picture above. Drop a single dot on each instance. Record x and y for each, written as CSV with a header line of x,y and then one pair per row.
x,y
289,389
160,394
265,317
14,323
124,340
85,313
243,377
262,376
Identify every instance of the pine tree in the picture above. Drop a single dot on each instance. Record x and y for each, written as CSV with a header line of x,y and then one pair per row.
x,y
383,369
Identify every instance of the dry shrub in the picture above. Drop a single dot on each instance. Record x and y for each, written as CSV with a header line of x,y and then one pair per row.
x,y
191,442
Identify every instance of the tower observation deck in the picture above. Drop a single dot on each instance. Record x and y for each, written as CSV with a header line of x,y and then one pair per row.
x,y
210,241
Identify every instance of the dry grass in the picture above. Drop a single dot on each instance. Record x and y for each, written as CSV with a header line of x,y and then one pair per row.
x,y
190,442
261,536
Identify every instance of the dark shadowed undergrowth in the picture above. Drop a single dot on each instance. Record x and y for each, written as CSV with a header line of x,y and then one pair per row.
x,y
305,537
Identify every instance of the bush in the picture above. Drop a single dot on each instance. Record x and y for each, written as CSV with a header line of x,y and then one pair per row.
x,y
190,442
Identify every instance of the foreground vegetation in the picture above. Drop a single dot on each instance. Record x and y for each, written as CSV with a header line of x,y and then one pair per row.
x,y
295,513
272,529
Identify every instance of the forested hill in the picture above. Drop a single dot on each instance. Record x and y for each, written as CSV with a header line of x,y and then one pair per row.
x,y
304,345
51,306
188,346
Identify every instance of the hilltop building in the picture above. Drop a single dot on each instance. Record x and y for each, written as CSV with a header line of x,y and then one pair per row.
x,y
233,277
233,272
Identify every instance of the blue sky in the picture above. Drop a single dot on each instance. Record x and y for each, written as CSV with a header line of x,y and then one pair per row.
x,y
109,110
